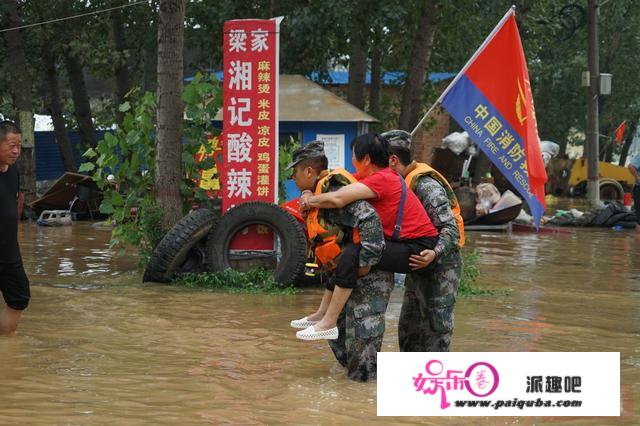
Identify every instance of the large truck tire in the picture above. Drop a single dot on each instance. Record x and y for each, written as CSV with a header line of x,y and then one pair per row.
x,y
610,190
182,250
290,268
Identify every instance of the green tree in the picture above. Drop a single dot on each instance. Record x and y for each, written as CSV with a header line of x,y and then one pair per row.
x,y
22,86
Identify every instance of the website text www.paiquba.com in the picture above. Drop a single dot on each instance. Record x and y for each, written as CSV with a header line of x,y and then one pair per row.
x,y
518,403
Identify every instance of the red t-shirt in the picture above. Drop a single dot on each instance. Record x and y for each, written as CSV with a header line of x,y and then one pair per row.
x,y
388,188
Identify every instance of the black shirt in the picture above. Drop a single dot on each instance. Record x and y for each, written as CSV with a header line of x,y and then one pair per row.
x,y
9,187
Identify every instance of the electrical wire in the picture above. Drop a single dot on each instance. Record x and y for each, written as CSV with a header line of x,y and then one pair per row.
x,y
95,12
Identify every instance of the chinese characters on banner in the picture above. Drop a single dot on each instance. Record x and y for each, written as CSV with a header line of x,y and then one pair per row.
x,y
250,120
491,99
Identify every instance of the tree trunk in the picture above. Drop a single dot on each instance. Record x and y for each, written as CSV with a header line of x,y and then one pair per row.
x,y
376,83
357,71
563,147
149,70
54,105
170,110
121,69
627,143
421,54
80,96
21,84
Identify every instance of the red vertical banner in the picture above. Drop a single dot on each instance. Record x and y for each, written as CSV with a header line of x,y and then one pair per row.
x,y
250,120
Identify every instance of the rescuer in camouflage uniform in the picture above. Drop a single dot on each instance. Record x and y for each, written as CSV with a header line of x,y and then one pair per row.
x,y
427,318
361,324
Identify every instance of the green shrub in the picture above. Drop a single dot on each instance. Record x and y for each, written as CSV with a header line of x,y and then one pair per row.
x,y
285,157
470,272
253,281
129,155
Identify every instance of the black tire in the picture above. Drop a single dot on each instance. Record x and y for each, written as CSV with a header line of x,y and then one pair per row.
x,y
602,216
292,238
615,218
610,192
182,250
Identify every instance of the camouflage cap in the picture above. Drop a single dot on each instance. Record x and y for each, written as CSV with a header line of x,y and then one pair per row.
x,y
312,149
398,138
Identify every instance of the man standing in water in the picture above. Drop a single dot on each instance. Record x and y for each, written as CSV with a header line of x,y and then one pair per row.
x,y
427,317
14,284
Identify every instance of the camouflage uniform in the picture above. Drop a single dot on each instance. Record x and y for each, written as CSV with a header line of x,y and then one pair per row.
x,y
361,324
359,215
426,319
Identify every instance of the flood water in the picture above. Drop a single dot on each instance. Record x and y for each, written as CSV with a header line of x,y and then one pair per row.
x,y
98,347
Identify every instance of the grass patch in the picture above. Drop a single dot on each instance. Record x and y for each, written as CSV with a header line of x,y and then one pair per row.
x,y
470,273
253,281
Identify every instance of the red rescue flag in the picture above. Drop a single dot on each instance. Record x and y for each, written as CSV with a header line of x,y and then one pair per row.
x,y
491,99
620,131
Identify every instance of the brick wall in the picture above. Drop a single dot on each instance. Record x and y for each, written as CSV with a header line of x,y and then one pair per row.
x,y
430,137
426,139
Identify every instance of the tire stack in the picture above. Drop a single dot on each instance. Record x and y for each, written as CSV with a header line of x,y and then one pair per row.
x,y
183,248
200,242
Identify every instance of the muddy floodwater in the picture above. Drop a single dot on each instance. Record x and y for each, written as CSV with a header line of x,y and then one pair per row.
x,y
97,347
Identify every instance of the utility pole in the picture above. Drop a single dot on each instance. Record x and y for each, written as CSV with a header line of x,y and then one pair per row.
x,y
592,142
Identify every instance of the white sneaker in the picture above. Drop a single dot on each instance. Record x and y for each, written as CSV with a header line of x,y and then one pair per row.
x,y
310,333
302,323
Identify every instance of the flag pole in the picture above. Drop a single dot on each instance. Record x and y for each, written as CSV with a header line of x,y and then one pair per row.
x,y
458,76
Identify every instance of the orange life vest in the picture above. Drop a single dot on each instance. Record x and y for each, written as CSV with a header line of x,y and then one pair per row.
x,y
325,240
417,170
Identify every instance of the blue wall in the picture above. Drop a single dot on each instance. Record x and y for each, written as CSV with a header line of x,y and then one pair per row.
x,y
48,158
309,130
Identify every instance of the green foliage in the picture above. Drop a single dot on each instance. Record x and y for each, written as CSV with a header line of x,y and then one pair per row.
x,y
123,168
253,281
315,37
470,273
285,157
7,110
128,155
202,98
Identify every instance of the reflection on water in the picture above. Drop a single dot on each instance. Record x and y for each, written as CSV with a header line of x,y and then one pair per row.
x,y
73,255
97,347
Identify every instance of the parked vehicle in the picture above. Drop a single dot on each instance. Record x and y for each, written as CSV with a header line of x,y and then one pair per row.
x,y
55,218
569,178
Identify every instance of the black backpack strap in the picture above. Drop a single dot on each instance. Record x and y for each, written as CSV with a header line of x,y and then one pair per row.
x,y
403,198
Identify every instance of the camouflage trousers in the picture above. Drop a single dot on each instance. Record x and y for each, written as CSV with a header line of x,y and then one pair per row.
x,y
426,318
361,326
